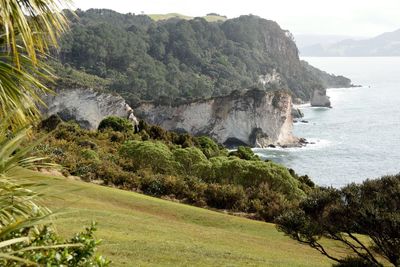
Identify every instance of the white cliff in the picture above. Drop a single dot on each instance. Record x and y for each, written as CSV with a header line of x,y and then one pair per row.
x,y
255,118
87,107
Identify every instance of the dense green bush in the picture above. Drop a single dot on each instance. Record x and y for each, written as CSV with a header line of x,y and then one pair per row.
x,y
191,160
227,196
193,170
209,147
248,173
244,152
89,154
266,203
68,131
116,123
149,154
50,123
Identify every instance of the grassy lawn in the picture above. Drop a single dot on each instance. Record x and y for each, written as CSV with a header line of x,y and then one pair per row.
x,y
143,231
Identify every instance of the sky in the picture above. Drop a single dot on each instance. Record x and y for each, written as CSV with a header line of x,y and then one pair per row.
x,y
359,18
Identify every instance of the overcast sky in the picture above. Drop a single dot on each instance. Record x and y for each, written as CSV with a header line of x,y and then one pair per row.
x,y
336,17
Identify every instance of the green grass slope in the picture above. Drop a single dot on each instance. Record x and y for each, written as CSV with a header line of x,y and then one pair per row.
x,y
143,231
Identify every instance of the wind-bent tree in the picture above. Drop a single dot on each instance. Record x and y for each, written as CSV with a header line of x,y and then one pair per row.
x,y
364,217
28,30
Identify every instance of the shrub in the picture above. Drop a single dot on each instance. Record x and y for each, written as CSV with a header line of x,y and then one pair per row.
x,y
89,154
208,146
245,153
155,155
113,174
157,133
253,173
225,196
87,143
116,123
117,137
85,169
144,135
153,185
143,126
184,140
69,131
50,123
304,180
267,203
189,159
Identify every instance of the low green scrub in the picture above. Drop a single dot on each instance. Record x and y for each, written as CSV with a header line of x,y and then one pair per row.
x,y
116,123
193,170
244,153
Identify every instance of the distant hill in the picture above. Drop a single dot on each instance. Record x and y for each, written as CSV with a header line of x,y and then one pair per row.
x,y
387,44
306,40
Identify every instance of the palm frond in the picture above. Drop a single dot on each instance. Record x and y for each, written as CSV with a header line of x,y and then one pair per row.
x,y
36,23
28,28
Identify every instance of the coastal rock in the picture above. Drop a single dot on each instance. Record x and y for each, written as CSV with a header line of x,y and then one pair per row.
x,y
297,113
320,99
86,106
255,118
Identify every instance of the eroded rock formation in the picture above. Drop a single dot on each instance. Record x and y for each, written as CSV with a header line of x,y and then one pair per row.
x,y
87,107
320,99
255,118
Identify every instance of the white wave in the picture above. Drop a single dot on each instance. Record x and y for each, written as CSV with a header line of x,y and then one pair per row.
x,y
314,144
300,106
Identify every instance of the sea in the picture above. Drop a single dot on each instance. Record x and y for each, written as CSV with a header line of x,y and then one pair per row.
x,y
357,139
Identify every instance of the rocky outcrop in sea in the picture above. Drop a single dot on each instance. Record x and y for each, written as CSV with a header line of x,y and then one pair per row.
x,y
320,99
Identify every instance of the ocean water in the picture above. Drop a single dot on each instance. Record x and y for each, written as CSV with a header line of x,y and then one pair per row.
x,y
359,137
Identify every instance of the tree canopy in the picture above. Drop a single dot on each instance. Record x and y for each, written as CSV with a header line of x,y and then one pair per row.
x,y
370,209
184,59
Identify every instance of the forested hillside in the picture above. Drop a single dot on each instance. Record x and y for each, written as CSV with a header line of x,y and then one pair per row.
x,y
176,59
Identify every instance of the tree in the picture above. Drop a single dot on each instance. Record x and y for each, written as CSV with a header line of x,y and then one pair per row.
x,y
116,124
370,209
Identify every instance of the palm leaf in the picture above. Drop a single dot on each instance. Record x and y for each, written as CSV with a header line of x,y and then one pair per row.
x,y
28,28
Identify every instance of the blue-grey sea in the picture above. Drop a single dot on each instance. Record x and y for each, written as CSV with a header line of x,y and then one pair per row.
x,y
359,137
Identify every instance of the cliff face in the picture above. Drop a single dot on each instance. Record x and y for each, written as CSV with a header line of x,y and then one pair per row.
x,y
255,118
87,107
